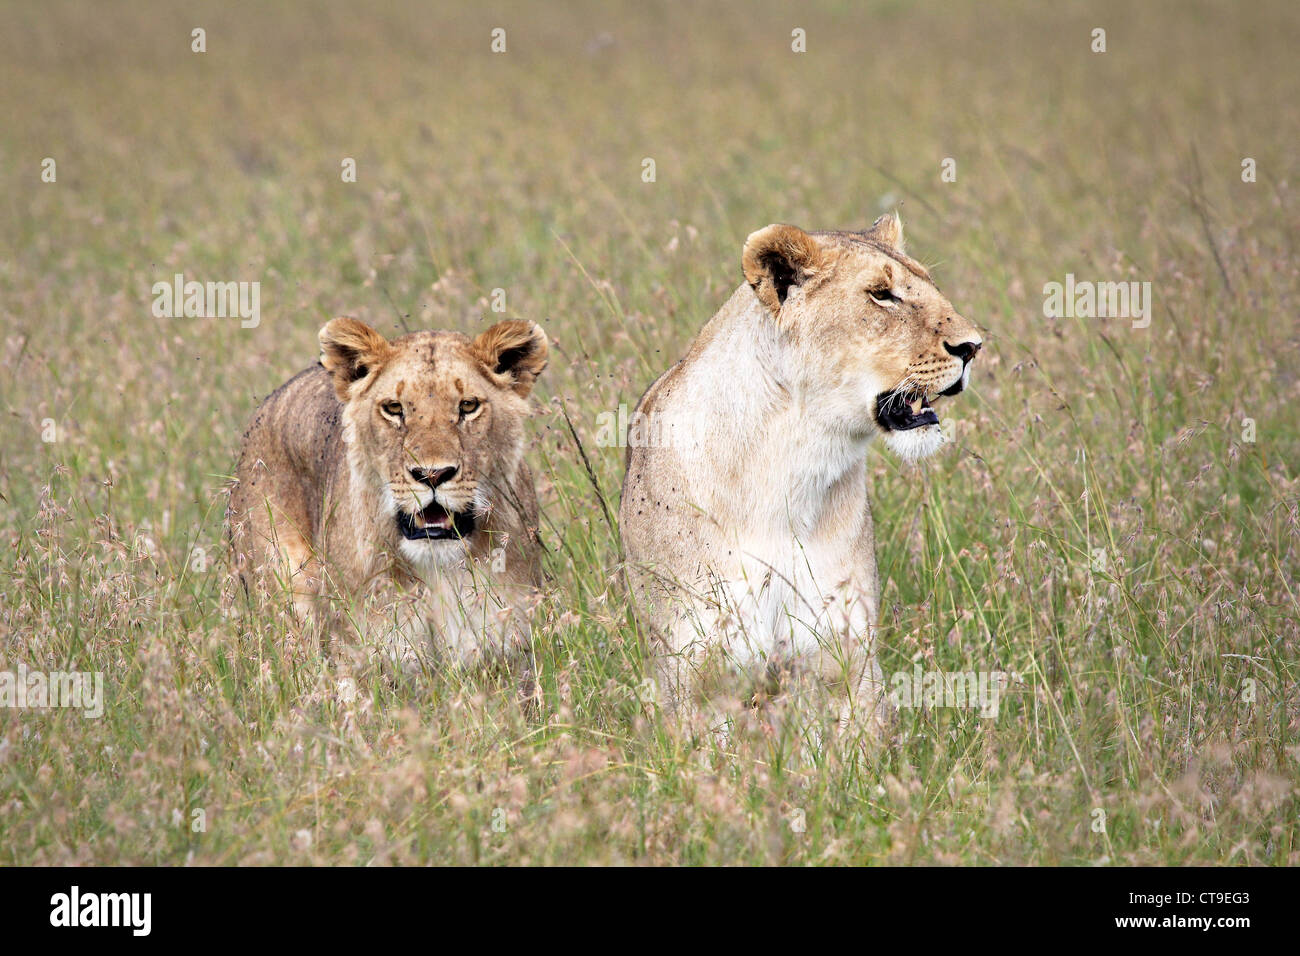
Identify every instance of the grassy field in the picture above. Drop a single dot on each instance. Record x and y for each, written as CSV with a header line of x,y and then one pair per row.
x,y
1117,520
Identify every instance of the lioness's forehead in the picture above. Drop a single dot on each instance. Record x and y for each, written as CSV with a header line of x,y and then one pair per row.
x,y
857,245
426,358
432,346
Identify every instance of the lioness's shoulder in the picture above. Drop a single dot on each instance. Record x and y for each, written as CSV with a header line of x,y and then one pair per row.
x,y
298,421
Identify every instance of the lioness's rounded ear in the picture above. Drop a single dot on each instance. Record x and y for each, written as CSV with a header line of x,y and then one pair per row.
x,y
514,348
350,350
776,258
887,230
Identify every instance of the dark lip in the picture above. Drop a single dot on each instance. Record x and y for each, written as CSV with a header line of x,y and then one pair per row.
x,y
894,412
462,524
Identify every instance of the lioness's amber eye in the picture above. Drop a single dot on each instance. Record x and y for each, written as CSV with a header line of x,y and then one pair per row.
x,y
393,408
883,294
469,406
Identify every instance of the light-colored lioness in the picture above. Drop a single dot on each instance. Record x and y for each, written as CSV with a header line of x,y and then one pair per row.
x,y
391,475
745,517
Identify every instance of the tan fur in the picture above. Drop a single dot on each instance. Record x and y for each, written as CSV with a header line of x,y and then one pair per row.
x,y
747,520
326,465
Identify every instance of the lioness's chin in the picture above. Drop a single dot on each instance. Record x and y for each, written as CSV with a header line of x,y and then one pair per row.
x,y
429,553
915,443
909,422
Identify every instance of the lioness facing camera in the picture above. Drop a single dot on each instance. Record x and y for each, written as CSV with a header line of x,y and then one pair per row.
x,y
746,517
392,475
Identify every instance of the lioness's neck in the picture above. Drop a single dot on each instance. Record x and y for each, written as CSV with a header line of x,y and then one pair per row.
x,y
777,454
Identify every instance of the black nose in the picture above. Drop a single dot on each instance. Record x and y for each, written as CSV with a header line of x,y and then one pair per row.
x,y
433,477
963,350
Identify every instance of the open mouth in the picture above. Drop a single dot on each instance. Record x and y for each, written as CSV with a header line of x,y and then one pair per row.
x,y
434,523
899,411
